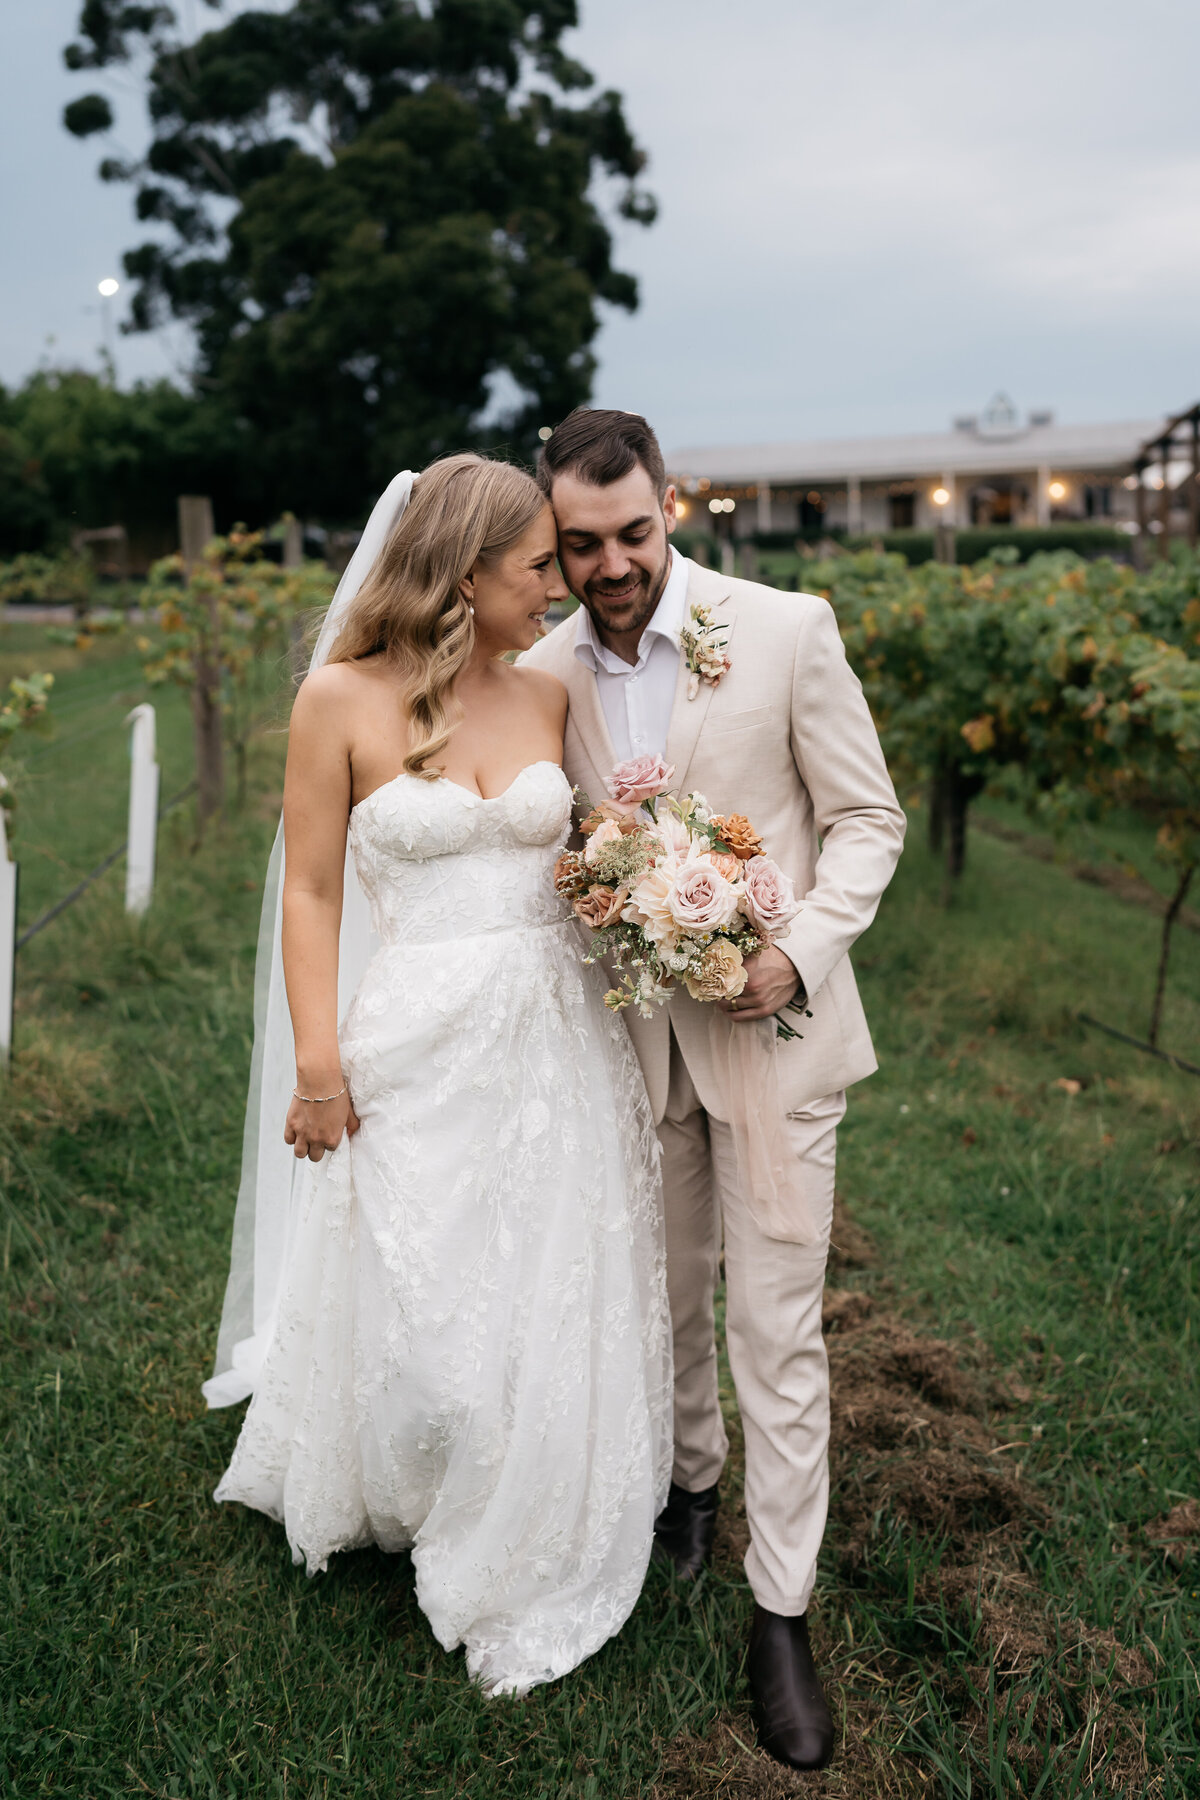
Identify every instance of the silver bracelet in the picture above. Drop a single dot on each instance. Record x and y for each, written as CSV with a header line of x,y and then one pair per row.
x,y
318,1099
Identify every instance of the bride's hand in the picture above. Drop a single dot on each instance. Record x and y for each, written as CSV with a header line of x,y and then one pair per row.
x,y
313,1127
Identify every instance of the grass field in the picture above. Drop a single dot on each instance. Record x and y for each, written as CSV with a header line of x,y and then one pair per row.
x,y
1011,1325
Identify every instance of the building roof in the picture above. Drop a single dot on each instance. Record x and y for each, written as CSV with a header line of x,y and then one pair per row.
x,y
970,449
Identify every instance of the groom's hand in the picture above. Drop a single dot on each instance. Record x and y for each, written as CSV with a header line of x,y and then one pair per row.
x,y
773,981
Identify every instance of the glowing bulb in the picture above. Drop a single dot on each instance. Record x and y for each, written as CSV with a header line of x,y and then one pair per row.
x,y
728,505
681,509
715,506
941,496
108,287
1057,490
546,432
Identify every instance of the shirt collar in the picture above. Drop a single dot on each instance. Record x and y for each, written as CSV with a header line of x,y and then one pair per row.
x,y
666,621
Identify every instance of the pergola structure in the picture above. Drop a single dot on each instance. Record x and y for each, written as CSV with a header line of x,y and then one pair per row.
x,y
1163,452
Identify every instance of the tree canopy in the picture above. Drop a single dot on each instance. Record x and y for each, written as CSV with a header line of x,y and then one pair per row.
x,y
377,216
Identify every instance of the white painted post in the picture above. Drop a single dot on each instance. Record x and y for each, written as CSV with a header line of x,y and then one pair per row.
x,y
143,810
8,944
1043,495
764,506
854,511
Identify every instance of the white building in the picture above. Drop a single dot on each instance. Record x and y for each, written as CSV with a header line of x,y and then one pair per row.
x,y
992,469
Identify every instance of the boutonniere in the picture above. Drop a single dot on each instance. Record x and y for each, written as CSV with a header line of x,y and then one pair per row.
x,y
703,643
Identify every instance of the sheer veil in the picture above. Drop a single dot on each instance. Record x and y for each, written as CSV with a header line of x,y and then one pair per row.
x,y
269,1169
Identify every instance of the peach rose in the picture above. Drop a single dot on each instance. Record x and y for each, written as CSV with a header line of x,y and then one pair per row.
x,y
729,866
600,906
604,811
700,898
770,900
607,833
641,778
722,973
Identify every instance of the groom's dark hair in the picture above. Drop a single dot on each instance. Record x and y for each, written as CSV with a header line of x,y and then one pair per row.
x,y
600,447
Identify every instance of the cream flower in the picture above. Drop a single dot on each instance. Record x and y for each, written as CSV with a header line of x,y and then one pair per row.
x,y
722,973
649,904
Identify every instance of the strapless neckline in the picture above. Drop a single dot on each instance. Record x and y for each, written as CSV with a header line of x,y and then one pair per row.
x,y
468,793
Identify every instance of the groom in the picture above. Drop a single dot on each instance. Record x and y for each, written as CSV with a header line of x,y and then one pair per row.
x,y
783,736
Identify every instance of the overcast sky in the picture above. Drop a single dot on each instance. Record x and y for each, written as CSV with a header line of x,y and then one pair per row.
x,y
872,215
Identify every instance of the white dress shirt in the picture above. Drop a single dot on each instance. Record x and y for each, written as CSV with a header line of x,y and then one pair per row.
x,y
637,697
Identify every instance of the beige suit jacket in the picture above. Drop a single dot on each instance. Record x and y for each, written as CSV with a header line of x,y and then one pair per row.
x,y
786,738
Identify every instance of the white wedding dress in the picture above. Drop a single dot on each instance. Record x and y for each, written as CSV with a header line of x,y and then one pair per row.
x,y
471,1354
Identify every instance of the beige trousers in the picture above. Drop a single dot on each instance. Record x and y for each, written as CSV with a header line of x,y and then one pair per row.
x,y
772,1327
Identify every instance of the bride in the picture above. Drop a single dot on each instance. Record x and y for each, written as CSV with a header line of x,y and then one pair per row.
x,y
457,1334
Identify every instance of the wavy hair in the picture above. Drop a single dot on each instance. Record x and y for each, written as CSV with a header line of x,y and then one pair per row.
x,y
464,510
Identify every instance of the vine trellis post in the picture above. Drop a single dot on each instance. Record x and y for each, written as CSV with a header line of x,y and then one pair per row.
x,y
8,943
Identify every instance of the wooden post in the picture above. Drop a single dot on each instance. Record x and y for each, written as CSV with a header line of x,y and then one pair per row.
x,y
8,944
854,512
1194,493
293,542
195,534
944,547
143,811
1164,501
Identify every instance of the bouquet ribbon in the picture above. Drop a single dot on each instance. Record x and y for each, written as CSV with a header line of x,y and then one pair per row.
x,y
745,1061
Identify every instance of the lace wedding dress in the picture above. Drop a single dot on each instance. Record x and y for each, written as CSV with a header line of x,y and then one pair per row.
x,y
471,1355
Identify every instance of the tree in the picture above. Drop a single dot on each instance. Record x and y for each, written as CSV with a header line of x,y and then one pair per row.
x,y
75,451
378,216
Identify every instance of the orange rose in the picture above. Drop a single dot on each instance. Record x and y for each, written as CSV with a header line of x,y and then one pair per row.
x,y
740,835
569,875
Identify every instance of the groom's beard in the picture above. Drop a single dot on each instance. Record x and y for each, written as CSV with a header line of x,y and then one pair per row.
x,y
633,610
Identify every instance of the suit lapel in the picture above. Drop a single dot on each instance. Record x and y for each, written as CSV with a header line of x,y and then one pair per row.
x,y
586,715
705,588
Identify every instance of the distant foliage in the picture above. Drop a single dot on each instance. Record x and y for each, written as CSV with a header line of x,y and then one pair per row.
x,y
219,622
74,450
24,705
1076,684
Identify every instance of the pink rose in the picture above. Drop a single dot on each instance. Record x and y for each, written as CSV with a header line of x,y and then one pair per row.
x,y
701,899
770,899
641,778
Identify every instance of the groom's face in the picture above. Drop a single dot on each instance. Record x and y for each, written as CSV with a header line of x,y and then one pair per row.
x,y
612,546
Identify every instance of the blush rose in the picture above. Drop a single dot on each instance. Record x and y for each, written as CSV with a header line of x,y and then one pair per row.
x,y
770,899
641,778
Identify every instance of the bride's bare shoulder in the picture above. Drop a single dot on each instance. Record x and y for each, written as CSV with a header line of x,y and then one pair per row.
x,y
338,688
541,689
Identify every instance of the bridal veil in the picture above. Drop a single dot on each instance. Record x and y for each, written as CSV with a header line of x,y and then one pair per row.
x,y
269,1167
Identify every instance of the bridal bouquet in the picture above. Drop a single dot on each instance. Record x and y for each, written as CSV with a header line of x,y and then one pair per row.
x,y
672,892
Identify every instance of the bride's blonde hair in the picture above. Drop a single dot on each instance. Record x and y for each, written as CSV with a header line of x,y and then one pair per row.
x,y
464,510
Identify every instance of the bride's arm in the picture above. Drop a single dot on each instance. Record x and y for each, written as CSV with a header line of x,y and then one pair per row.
x,y
316,809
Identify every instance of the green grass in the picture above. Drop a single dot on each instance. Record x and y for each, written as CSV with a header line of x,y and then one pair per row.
x,y
71,775
156,1644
